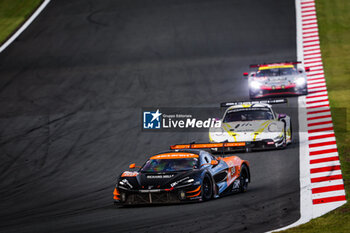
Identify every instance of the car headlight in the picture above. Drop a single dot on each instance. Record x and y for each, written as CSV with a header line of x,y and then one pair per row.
x,y
255,85
190,181
300,81
185,180
125,183
273,128
218,131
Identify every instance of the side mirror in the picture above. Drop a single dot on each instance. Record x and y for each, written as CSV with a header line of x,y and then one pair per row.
x,y
245,74
214,162
281,116
131,166
307,69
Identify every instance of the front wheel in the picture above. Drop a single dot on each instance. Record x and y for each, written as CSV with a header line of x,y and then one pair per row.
x,y
291,133
207,188
243,179
284,144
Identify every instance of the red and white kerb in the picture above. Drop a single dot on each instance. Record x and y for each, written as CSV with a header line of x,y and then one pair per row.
x,y
326,178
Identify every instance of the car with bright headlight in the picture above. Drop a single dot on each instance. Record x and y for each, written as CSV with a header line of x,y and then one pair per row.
x,y
182,175
276,79
255,123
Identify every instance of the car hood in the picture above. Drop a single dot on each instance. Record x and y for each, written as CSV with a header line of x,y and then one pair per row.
x,y
282,79
243,131
247,126
158,180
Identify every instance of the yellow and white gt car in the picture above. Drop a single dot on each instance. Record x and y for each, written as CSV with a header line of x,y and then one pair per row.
x,y
254,123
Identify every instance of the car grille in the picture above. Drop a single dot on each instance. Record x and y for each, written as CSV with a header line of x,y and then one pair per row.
x,y
280,90
152,198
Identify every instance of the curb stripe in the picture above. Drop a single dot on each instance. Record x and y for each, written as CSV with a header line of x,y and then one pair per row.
x,y
328,188
317,101
329,159
313,18
319,123
322,144
307,2
318,106
319,117
322,73
325,169
312,79
321,136
320,69
315,112
311,58
328,199
315,96
317,53
321,152
306,15
326,178
322,82
310,62
308,41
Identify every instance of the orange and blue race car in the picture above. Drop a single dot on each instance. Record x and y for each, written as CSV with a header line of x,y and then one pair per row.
x,y
276,79
187,173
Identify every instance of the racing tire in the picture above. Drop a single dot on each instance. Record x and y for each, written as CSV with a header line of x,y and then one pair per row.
x,y
243,179
284,145
207,188
291,133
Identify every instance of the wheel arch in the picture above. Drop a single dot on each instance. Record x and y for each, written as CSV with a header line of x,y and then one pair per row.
x,y
211,177
246,164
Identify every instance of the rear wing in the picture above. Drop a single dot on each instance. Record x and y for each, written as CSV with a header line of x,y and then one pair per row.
x,y
207,145
275,63
269,101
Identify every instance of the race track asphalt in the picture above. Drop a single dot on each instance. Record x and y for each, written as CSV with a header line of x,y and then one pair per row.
x,y
71,91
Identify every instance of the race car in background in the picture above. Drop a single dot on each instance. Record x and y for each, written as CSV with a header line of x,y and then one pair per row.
x,y
184,174
254,123
276,79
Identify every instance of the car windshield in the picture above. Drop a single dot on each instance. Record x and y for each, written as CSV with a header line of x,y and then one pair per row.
x,y
248,115
169,165
276,72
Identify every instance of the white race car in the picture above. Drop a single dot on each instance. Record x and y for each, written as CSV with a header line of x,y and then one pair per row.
x,y
254,123
277,79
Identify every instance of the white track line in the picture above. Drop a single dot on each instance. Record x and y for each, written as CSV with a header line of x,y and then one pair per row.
x,y
24,26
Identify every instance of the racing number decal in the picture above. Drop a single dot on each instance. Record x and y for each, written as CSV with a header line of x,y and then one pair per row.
x,y
231,173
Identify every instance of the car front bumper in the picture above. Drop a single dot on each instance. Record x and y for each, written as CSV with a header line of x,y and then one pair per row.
x,y
265,144
155,196
261,93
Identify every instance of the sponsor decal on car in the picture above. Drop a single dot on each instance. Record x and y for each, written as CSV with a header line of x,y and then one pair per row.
x,y
129,174
159,176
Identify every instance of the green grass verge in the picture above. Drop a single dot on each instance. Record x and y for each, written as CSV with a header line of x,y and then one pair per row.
x,y
334,29
13,13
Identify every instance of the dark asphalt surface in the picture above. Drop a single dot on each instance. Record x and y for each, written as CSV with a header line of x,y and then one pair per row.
x,y
71,91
